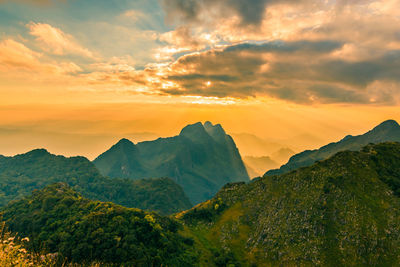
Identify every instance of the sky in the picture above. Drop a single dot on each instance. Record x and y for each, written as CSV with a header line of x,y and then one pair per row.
x,y
77,75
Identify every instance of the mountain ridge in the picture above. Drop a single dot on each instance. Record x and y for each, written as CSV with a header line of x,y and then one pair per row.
x,y
344,211
202,158
388,130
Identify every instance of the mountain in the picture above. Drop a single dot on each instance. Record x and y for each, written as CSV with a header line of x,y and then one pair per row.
x,y
256,166
260,155
21,174
282,155
202,158
343,211
58,220
252,145
384,132
302,141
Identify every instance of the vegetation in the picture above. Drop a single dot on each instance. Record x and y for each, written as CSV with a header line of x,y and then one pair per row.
x,y
162,195
388,131
59,220
201,159
21,174
344,211
13,252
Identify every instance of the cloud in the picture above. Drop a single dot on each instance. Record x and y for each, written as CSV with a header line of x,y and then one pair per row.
x,y
15,56
55,41
134,15
183,38
369,23
302,72
249,12
300,51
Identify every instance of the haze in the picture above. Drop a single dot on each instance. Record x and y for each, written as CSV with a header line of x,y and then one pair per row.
x,y
76,76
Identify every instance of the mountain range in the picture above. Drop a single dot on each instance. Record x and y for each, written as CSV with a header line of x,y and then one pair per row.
x,y
343,211
386,131
201,159
254,146
21,174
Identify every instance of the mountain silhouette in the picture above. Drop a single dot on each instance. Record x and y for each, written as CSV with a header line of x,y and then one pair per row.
x,y
202,158
387,131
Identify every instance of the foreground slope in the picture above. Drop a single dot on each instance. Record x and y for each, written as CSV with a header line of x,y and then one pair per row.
x,y
387,131
21,174
344,211
58,220
202,158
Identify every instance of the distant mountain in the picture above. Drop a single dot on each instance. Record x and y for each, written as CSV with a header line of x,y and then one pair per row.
x,y
302,141
57,219
260,155
21,174
282,155
252,145
384,132
343,211
202,158
256,166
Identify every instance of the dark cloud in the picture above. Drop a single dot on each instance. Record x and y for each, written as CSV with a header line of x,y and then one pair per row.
x,y
362,73
251,12
287,47
321,93
302,72
202,77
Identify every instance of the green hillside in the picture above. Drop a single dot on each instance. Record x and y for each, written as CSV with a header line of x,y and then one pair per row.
x,y
58,220
21,174
344,211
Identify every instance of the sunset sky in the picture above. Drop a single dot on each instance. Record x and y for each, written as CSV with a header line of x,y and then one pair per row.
x,y
77,75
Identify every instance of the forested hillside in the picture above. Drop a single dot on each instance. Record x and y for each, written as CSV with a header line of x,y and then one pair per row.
x,y
23,173
344,211
57,219
341,211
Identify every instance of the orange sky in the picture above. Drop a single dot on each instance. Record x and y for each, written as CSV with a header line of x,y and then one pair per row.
x,y
88,130
75,76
